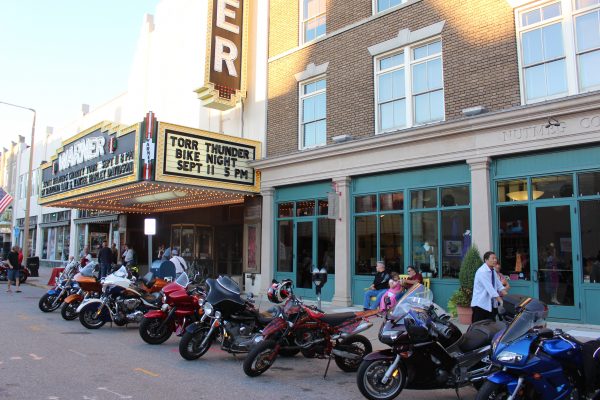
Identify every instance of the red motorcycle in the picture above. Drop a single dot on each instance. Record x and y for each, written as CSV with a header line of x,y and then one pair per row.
x,y
180,308
318,335
24,274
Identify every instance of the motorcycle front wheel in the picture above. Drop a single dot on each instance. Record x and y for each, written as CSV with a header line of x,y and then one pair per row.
x,y
190,345
370,374
69,310
46,303
153,331
90,320
260,358
492,391
357,345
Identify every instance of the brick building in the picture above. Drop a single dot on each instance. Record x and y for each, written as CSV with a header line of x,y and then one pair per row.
x,y
433,125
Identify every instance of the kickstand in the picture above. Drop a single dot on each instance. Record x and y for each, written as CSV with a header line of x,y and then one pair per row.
x,y
327,368
457,394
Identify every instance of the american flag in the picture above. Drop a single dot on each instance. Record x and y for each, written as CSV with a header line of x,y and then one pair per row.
x,y
5,200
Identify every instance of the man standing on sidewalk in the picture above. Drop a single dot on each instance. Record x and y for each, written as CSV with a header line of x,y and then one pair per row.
x,y
14,272
105,258
487,289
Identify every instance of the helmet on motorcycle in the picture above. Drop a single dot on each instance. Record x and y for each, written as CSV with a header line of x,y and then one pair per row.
x,y
278,292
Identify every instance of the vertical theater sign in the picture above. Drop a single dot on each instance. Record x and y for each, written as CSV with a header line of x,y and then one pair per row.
x,y
226,54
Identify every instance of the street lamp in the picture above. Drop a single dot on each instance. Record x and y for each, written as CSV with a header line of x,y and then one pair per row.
x,y
28,198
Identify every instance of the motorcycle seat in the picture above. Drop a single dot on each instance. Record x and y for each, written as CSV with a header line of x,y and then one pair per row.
x,y
337,318
264,319
479,335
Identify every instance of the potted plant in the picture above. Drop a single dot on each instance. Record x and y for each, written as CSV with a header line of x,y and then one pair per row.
x,y
461,299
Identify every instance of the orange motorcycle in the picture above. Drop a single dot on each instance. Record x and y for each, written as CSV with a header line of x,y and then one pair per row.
x,y
89,286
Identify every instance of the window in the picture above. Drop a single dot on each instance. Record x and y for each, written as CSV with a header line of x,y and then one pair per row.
x,y
558,40
410,88
313,19
313,114
383,5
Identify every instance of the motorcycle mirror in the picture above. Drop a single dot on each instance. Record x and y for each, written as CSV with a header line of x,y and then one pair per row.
x,y
250,295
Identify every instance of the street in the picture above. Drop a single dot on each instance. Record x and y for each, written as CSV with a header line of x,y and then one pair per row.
x,y
45,357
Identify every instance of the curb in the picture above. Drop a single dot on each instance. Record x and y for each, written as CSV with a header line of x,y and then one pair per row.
x,y
35,284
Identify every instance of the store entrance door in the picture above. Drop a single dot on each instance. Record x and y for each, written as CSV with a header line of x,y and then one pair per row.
x,y
556,260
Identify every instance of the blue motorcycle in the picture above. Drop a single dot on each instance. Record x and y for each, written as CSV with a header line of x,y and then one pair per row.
x,y
536,362
65,285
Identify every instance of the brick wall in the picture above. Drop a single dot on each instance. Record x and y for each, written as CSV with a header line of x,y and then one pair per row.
x,y
479,58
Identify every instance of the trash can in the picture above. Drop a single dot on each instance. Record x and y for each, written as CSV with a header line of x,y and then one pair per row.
x,y
33,265
163,269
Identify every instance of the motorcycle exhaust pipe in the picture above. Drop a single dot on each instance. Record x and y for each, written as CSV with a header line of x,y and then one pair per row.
x,y
363,326
345,354
307,345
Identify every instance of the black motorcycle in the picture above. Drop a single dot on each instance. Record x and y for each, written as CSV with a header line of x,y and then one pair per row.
x,y
227,317
427,351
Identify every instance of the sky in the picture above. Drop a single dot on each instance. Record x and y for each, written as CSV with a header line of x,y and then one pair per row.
x,y
58,54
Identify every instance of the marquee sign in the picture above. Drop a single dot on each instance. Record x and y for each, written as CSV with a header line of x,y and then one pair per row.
x,y
201,158
98,157
226,54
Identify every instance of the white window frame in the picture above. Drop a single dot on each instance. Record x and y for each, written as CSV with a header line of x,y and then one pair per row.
x,y
567,19
301,97
376,4
409,62
303,19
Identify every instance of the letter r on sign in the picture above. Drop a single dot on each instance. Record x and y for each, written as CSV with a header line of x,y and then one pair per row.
x,y
221,56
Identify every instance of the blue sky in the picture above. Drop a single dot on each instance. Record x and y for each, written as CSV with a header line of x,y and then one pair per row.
x,y
57,54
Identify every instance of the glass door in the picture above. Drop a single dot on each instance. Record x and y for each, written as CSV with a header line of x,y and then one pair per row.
x,y
557,259
304,254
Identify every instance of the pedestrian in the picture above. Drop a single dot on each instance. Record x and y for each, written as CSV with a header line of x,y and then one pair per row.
x,y
505,284
20,256
378,288
128,255
86,257
167,254
487,289
14,272
105,257
161,251
414,278
115,254
179,262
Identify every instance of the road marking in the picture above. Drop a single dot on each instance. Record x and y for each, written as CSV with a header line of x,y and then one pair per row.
x,y
16,358
90,398
78,353
35,357
53,398
24,317
121,396
145,371
35,328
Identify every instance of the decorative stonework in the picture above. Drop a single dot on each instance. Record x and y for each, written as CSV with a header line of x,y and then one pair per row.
x,y
311,71
406,37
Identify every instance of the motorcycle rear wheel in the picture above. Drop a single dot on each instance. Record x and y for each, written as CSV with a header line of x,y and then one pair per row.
x,y
152,332
492,391
69,310
89,320
369,378
257,361
190,345
360,345
46,303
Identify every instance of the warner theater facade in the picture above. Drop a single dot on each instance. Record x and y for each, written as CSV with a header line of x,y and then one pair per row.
x,y
187,163
429,127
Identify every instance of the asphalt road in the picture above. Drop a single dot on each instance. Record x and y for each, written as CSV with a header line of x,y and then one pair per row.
x,y
45,357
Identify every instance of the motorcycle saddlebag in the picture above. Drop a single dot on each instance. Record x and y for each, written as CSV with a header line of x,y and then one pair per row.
x,y
591,364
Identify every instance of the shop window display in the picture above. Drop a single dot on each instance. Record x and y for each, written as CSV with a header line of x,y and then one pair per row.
x,y
514,241
590,240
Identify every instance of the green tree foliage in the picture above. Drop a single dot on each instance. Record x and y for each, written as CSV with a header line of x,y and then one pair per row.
x,y
463,295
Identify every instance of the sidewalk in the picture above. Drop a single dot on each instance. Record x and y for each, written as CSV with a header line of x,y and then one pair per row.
x,y
42,280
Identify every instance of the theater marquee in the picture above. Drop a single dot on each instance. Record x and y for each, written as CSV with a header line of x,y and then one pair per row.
x,y
226,54
201,158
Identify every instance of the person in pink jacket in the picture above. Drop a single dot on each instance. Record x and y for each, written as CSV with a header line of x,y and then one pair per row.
x,y
393,293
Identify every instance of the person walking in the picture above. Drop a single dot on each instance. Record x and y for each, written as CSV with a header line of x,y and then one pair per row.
x,y
105,257
179,262
128,255
115,254
378,288
14,272
487,289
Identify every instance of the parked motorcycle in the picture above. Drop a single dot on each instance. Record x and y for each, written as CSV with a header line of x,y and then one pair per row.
x,y
122,301
426,350
24,274
65,285
89,287
539,363
180,308
227,317
318,335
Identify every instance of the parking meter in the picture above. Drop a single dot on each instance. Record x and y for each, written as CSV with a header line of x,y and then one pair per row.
x,y
319,278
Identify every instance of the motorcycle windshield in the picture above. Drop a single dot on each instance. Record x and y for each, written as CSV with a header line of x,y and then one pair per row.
x,y
217,293
120,273
523,323
88,271
417,296
229,284
70,268
183,280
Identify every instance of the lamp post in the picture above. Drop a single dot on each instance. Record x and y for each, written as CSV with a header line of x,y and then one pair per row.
x,y
28,198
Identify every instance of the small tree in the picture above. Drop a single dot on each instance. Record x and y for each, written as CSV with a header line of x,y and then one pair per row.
x,y
466,276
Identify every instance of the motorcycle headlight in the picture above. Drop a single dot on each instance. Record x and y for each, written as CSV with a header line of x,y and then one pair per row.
x,y
208,308
509,357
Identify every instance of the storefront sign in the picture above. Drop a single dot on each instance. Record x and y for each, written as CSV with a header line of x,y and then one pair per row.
x,y
225,70
206,158
95,156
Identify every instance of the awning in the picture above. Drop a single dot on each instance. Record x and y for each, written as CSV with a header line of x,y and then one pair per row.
x,y
53,224
98,220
